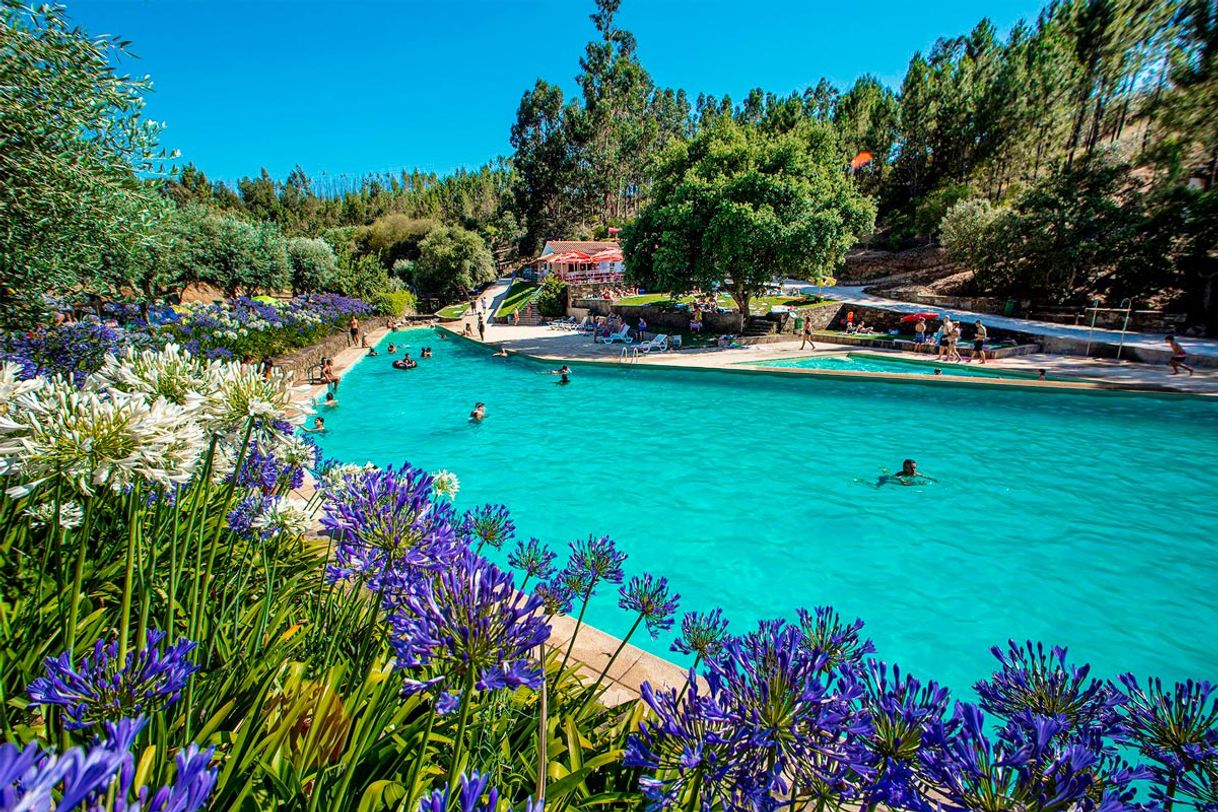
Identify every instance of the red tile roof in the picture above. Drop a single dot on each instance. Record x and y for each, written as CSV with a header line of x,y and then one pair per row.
x,y
583,246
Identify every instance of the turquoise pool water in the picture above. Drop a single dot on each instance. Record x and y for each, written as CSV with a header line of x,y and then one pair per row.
x,y
1082,520
854,362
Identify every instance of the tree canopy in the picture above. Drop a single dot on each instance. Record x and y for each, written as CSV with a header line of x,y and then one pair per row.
x,y
452,261
739,206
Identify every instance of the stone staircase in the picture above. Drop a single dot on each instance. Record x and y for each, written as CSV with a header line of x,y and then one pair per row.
x,y
760,326
529,314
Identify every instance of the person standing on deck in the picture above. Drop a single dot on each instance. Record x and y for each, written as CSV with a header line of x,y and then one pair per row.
x,y
481,328
806,337
979,337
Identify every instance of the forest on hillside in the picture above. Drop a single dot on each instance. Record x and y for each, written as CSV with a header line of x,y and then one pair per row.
x,y
1072,156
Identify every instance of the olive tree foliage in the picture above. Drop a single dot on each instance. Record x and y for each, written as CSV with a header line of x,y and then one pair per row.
x,y
72,142
739,206
965,231
314,264
451,261
228,251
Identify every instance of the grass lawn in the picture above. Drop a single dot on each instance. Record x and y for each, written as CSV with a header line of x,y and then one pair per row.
x,y
453,311
517,295
726,302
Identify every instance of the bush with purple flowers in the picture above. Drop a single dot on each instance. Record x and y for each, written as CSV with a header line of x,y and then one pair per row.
x,y
105,687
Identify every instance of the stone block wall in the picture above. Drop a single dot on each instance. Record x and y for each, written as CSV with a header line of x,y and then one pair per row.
x,y
297,362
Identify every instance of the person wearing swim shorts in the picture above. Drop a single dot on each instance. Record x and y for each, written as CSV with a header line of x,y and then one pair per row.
x,y
979,337
1178,356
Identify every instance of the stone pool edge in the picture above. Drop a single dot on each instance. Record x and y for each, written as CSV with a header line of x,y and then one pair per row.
x,y
1082,386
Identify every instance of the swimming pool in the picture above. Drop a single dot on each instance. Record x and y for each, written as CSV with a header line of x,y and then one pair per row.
x,y
861,362
1086,520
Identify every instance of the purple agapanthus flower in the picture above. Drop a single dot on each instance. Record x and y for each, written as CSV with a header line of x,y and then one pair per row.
x,y
702,634
473,796
102,689
556,596
533,559
1176,731
468,626
489,525
650,598
801,715
388,522
264,472
901,710
100,776
826,632
1040,682
596,560
241,518
1035,764
686,748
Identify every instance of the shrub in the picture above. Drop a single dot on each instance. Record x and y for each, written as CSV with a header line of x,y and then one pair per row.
x,y
394,303
552,298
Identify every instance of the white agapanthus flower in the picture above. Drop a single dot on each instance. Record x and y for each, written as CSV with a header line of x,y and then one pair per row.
x,y
237,394
70,515
336,477
11,386
96,439
446,484
171,373
281,517
293,451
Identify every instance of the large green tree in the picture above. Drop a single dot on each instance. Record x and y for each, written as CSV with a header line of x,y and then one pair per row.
x,y
739,206
72,144
451,261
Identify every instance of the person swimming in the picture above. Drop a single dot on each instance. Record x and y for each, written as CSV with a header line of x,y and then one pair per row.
x,y
426,353
479,413
501,353
908,475
405,362
330,402
391,349
563,373
319,426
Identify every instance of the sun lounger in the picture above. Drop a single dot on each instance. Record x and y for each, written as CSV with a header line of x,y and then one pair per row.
x,y
660,343
622,335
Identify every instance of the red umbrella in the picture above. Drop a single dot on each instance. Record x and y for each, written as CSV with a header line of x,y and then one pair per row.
x,y
912,317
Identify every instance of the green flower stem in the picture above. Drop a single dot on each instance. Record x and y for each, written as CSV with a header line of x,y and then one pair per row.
x,y
124,629
543,723
592,691
578,622
82,543
417,766
459,741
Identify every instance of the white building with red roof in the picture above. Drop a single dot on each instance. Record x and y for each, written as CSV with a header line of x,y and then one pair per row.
x,y
582,262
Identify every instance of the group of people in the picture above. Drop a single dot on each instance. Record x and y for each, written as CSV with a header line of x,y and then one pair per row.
x,y
406,362
945,341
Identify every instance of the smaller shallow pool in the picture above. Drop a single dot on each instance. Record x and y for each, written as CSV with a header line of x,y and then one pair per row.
x,y
862,362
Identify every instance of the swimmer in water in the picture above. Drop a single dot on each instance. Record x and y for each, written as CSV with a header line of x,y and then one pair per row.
x,y
391,349
479,412
564,373
1040,374
330,402
319,426
938,371
909,475
501,353
405,362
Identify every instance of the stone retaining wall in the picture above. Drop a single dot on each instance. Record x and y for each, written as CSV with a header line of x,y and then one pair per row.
x,y
297,362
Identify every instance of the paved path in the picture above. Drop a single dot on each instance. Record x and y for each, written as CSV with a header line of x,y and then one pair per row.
x,y
849,294
564,345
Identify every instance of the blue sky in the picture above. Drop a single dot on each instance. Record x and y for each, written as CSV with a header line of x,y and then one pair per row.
x,y
346,87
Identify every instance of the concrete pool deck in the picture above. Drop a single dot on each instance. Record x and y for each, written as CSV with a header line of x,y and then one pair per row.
x,y
1080,373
